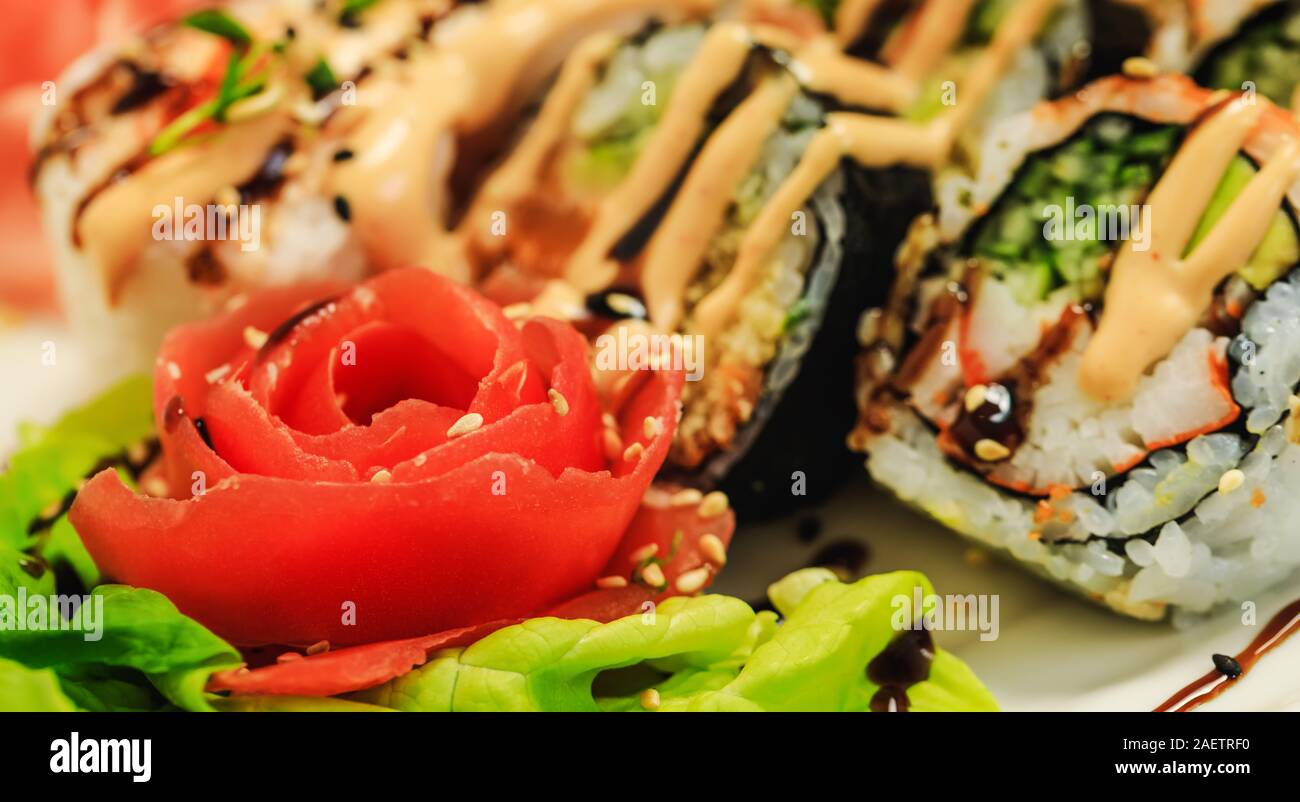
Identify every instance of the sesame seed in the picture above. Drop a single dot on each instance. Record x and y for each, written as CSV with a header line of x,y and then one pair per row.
x,y
633,452
624,304
255,337
288,657
645,552
343,154
991,450
609,420
613,445
714,504
227,196
975,397
711,547
381,477
519,310
137,453
236,302
1139,67
687,498
650,699
653,427
420,459
692,581
154,486
318,647
611,582
1231,480
558,401
653,575
174,370
465,425
342,208
217,374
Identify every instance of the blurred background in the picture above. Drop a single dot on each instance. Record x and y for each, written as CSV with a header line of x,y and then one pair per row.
x,y
38,40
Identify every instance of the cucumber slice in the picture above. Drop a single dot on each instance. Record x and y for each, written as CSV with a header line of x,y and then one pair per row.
x,y
1280,248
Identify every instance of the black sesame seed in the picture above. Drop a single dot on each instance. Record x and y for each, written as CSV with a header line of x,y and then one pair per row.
x,y
201,426
32,566
343,154
342,208
1228,666
809,529
290,33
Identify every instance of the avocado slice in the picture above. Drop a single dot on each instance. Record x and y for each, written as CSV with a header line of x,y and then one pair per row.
x,y
1277,253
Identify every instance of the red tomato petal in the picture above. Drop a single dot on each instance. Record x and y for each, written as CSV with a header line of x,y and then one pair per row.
x,y
346,670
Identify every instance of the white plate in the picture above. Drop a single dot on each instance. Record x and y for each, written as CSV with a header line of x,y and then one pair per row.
x,y
1054,651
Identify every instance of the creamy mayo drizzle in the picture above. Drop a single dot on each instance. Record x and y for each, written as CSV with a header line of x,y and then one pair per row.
x,y
517,176
852,19
932,32
481,75
714,67
117,224
1155,296
678,247
872,142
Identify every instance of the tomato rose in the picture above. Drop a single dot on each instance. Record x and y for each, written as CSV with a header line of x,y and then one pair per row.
x,y
381,463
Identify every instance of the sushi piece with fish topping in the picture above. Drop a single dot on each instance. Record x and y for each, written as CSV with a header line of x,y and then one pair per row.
x,y
1089,360
344,135
703,181
181,167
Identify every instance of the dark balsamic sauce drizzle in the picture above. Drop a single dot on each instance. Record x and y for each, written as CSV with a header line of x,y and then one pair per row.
x,y
123,460
904,662
282,331
1280,627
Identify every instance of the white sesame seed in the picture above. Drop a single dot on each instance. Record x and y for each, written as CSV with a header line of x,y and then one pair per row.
x,y
1139,67
609,420
976,396
650,699
654,575
687,498
558,401
137,453
611,582
381,477
711,547
217,374
174,370
633,452
318,647
236,302
420,459
227,196
288,657
714,504
613,445
653,427
255,337
1231,480
991,450
517,311
645,552
465,425
692,581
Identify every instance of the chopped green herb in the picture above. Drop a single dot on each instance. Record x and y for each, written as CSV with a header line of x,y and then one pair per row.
x,y
352,9
321,79
219,23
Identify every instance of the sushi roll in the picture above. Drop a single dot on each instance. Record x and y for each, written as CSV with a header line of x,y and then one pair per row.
x,y
725,185
1262,53
270,143
1089,359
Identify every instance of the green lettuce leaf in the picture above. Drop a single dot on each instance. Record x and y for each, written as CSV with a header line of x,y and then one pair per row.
x,y
705,653
138,629
30,690
50,461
